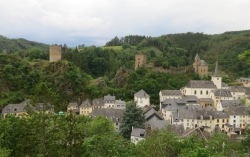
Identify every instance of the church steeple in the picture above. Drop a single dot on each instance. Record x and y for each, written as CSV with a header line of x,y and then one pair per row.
x,y
216,78
197,57
216,71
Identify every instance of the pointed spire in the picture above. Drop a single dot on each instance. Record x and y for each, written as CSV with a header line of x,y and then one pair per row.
x,y
216,72
197,57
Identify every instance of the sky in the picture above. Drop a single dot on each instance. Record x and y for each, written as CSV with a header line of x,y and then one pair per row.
x,y
95,22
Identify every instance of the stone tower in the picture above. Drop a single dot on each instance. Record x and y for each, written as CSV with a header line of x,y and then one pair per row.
x,y
200,66
55,53
140,60
197,61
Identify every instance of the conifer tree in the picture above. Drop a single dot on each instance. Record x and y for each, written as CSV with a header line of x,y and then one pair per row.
x,y
132,117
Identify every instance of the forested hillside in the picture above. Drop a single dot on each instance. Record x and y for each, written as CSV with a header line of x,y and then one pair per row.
x,y
93,72
13,45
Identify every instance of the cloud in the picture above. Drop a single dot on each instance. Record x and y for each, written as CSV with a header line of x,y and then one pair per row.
x,y
94,22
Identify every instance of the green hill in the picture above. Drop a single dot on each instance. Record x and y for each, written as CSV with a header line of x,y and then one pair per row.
x,y
13,45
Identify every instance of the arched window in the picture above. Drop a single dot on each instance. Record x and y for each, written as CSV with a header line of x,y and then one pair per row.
x,y
201,92
195,92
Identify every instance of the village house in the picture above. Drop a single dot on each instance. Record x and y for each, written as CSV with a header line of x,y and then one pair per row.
x,y
114,115
109,101
137,135
97,103
245,81
169,94
141,98
85,107
74,107
19,110
220,94
238,92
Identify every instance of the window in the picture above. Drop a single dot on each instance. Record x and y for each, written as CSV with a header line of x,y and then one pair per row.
x,y
222,120
201,92
15,109
218,120
195,92
118,105
234,116
222,125
116,123
207,92
234,121
187,124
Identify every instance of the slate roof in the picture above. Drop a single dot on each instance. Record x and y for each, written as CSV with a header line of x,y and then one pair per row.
x,y
208,108
16,108
120,102
237,89
216,129
206,100
184,114
178,129
110,113
141,94
203,63
109,98
222,92
220,114
203,114
86,103
137,132
173,104
194,107
171,92
157,124
240,110
73,104
98,102
200,84
223,84
247,90
243,79
152,112
197,131
227,103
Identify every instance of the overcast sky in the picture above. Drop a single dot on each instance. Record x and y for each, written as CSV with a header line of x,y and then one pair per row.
x,y
94,22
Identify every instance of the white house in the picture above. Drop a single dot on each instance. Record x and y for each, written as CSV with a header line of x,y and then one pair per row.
x,y
141,98
220,94
238,92
169,94
109,101
224,104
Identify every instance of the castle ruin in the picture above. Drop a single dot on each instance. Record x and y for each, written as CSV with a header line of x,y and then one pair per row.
x,y
55,53
140,60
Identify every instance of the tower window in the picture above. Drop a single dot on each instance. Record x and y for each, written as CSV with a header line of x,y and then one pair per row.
x,y
195,92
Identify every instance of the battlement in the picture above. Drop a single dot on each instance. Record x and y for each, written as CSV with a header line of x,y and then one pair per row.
x,y
55,53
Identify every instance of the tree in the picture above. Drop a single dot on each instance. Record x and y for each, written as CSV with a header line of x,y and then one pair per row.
x,y
245,56
132,117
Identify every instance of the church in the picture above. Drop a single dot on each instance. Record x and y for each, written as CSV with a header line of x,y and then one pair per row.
x,y
200,66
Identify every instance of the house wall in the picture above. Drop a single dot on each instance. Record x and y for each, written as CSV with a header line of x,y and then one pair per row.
x,y
199,92
85,110
141,102
234,120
